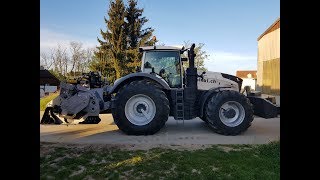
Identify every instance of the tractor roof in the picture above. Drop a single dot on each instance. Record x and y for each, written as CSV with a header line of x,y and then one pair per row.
x,y
148,48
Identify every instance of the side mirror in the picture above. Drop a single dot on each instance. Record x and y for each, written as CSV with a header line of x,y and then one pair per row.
x,y
201,76
161,72
184,59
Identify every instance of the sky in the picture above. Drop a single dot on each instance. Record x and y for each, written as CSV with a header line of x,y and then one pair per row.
x,y
229,29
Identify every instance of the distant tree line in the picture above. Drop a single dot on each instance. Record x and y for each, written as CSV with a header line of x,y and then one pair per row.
x,y
67,61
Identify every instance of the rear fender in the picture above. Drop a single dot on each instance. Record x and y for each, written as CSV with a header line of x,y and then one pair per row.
x,y
137,76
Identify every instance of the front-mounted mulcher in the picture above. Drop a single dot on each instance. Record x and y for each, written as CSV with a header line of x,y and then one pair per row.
x,y
141,102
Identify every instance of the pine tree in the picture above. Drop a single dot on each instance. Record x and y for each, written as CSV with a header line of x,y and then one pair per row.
x,y
114,42
136,35
118,53
101,62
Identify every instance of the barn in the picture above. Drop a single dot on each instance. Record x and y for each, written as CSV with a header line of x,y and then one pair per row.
x,y
268,66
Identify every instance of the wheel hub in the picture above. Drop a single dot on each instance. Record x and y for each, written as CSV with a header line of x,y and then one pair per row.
x,y
141,106
229,113
140,109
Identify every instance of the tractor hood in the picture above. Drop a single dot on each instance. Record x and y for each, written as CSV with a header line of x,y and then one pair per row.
x,y
216,79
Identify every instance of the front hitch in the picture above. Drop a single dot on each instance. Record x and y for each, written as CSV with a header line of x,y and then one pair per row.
x,y
263,107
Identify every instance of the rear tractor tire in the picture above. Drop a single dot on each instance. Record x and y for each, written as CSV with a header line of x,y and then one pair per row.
x,y
229,113
140,108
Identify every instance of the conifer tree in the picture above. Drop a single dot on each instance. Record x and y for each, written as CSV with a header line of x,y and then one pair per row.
x,y
114,42
118,52
136,35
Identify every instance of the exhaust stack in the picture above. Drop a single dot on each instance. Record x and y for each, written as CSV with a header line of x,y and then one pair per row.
x,y
191,88
191,70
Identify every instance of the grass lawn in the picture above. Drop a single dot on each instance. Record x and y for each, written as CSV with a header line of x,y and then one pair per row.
x,y
45,100
217,162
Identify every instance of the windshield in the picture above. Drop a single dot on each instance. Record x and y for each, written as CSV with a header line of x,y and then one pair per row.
x,y
166,64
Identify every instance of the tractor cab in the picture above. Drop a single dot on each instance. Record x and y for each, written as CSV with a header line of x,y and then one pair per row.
x,y
164,61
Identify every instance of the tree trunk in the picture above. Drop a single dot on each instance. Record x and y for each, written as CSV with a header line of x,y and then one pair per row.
x,y
117,69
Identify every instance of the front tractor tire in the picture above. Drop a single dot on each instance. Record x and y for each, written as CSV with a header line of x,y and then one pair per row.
x,y
229,113
140,108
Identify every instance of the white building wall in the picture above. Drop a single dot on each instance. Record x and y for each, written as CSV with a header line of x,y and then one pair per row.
x,y
49,89
249,82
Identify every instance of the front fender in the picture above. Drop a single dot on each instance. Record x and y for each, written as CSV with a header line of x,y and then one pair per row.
x,y
137,76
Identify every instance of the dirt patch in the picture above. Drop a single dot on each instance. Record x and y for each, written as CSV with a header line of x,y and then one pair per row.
x,y
44,149
127,173
196,171
173,167
80,171
93,161
214,168
76,149
50,177
227,148
88,178
62,158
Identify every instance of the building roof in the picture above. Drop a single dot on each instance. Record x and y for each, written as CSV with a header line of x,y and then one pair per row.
x,y
147,48
244,74
46,74
273,27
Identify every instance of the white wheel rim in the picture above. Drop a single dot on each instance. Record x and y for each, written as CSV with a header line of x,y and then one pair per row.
x,y
231,113
140,109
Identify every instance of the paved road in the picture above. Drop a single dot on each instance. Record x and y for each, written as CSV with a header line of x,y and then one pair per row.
x,y
192,132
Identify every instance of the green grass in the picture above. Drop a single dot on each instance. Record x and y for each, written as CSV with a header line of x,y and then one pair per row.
x,y
217,162
44,101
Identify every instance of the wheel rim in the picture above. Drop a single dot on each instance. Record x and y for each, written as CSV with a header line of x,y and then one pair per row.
x,y
140,109
232,113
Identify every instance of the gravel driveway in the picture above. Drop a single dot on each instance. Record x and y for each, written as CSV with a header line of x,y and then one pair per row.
x,y
175,133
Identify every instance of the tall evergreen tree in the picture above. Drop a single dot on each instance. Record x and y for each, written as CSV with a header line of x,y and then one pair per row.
x,y
118,53
136,35
101,62
114,38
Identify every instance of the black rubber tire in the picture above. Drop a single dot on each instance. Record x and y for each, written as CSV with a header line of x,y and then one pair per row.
x,y
140,87
204,117
212,113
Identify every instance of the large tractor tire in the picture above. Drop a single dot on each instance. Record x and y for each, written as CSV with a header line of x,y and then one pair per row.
x,y
140,108
204,117
229,113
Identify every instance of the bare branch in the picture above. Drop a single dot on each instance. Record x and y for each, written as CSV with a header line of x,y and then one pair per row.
x,y
46,59
77,54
